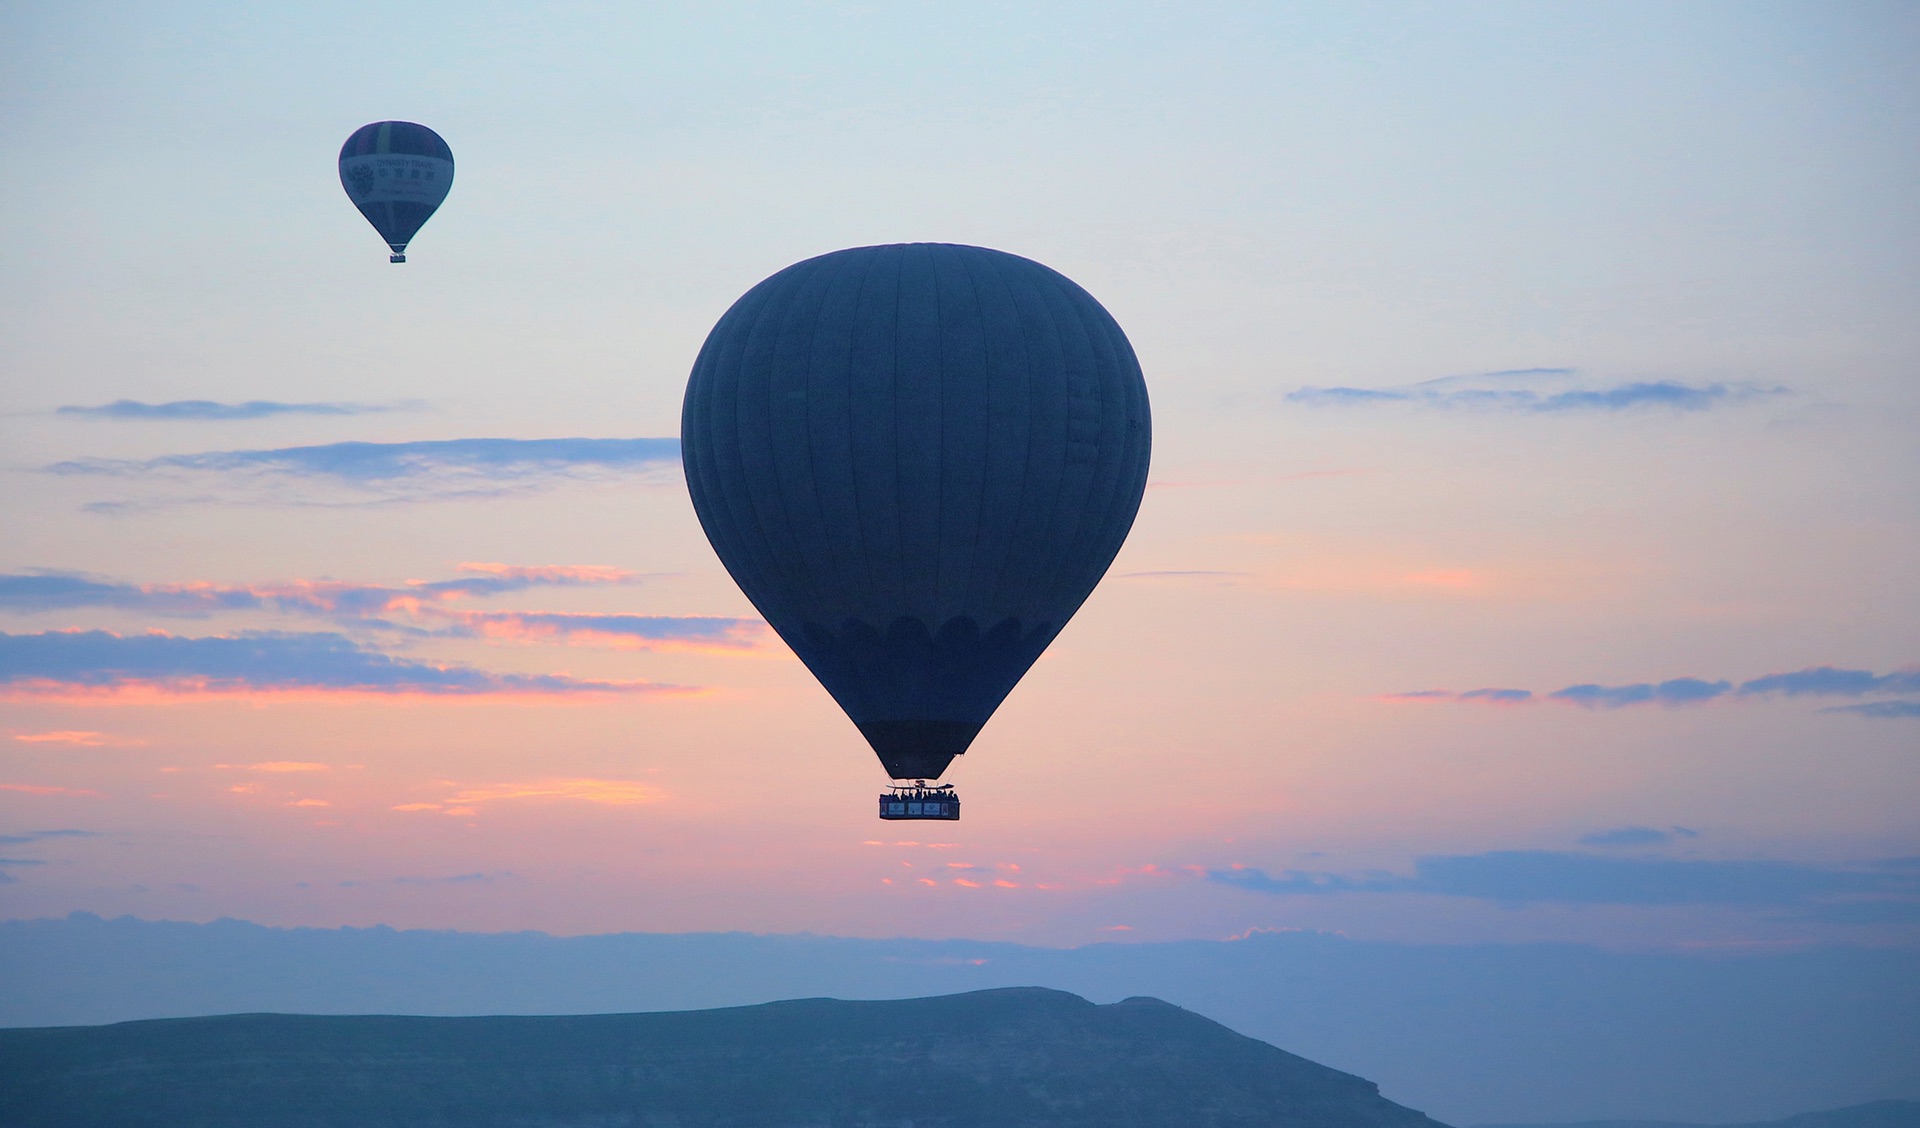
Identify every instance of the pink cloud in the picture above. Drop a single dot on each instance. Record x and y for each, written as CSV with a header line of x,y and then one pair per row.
x,y
78,738
1459,579
607,792
683,633
38,789
1496,697
555,573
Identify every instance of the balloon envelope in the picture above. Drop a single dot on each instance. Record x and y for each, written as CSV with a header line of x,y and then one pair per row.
x,y
396,173
917,461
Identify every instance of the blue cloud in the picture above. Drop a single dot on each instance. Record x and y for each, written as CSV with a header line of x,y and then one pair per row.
x,y
1335,396
1679,691
1818,681
1458,393
41,835
206,410
710,629
1636,836
1523,876
1659,393
1488,696
420,609
424,606
62,591
28,592
369,463
1519,877
1871,912
1830,681
253,662
1881,710
1304,882
458,879
1498,696
27,838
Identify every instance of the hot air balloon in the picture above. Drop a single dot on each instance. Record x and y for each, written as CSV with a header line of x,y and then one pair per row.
x,y
917,461
396,173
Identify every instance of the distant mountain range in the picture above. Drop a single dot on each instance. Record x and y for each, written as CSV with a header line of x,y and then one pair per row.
x,y
1468,1033
1008,1058
1877,1114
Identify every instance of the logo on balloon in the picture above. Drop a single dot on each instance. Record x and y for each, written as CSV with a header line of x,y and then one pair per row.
x,y
360,179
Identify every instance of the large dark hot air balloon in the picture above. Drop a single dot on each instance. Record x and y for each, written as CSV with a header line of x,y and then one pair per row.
x,y
396,173
917,461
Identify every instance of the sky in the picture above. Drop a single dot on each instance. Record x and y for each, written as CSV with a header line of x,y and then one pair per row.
x,y
1528,553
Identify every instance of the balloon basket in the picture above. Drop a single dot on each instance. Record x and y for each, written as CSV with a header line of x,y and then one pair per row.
x,y
396,258
920,800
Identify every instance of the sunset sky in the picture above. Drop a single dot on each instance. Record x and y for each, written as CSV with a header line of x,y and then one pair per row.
x,y
1530,549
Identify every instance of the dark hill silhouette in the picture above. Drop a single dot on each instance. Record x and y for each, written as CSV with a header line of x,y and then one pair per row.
x,y
1005,1058
1874,1114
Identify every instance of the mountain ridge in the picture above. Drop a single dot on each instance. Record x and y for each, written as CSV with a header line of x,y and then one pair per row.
x,y
1025,1057
1571,1032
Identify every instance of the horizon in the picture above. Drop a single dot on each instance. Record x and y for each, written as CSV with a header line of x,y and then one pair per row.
x,y
1470,1034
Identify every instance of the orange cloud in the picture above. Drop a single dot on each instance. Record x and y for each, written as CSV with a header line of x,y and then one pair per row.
x,y
287,766
614,792
554,573
74,737
1459,579
38,789
610,792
